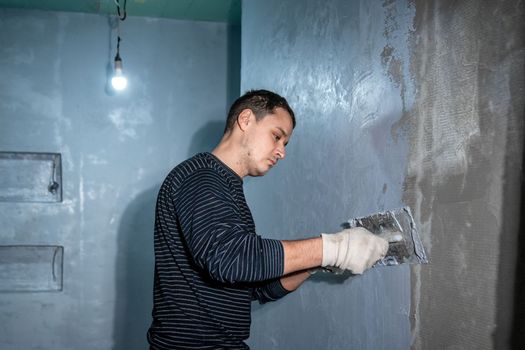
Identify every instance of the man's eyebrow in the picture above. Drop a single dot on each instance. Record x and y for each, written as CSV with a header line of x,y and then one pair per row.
x,y
282,130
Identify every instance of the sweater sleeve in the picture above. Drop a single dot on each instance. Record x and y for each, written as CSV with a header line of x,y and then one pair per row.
x,y
271,291
216,238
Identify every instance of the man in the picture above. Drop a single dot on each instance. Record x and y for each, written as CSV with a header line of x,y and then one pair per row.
x,y
209,262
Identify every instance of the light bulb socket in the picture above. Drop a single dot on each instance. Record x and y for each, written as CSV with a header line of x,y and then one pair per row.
x,y
118,63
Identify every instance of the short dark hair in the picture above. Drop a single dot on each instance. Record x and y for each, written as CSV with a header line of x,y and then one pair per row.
x,y
261,102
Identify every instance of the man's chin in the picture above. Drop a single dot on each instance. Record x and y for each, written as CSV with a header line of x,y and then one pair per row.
x,y
260,172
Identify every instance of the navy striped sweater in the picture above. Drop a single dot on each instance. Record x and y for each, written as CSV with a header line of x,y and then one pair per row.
x,y
209,263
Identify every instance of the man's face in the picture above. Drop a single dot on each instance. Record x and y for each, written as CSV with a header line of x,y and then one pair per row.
x,y
266,140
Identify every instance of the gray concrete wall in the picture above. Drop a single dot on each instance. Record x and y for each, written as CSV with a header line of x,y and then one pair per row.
x,y
344,68
463,177
398,102
116,149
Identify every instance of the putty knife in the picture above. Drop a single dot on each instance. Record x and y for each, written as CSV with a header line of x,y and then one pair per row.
x,y
399,229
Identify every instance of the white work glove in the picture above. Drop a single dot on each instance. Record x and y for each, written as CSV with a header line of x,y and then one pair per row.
x,y
355,249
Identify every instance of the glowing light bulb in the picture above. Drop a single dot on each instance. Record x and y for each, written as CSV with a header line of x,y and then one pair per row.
x,y
118,81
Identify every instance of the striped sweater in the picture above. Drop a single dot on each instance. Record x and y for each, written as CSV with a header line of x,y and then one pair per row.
x,y
209,263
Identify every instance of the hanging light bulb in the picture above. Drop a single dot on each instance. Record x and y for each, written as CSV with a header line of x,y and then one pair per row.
x,y
118,81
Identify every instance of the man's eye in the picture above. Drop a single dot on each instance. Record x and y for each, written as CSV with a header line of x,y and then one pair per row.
x,y
276,137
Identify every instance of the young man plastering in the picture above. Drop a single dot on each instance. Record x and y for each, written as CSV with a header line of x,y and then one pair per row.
x,y
209,262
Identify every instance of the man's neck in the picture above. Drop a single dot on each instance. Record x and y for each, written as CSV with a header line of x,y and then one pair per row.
x,y
225,153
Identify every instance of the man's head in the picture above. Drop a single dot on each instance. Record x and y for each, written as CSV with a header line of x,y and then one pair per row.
x,y
261,102
258,128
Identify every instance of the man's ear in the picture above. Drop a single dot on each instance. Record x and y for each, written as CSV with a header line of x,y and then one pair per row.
x,y
245,118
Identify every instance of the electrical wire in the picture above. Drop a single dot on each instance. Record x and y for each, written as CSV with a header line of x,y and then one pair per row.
x,y
121,16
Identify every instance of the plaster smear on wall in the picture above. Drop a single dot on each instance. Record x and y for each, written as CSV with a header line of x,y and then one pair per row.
x,y
96,160
128,120
17,56
21,95
46,104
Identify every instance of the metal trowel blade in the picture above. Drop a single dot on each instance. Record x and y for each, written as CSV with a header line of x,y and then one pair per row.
x,y
397,226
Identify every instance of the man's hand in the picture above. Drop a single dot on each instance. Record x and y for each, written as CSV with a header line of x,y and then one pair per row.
x,y
355,249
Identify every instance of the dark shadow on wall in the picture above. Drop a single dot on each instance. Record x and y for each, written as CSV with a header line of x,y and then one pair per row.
x,y
136,259
518,320
233,69
134,272
510,280
206,138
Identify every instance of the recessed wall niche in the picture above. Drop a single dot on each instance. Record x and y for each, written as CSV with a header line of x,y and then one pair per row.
x,y
30,177
31,268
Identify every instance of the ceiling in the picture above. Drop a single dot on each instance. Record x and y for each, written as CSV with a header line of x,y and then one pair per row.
x,y
228,11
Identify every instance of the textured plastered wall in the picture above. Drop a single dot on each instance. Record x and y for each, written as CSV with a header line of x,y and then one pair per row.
x,y
463,178
344,68
397,102
116,149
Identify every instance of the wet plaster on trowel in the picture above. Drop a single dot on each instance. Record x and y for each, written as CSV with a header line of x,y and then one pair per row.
x,y
466,138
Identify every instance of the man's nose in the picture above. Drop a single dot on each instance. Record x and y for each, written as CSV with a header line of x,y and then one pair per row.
x,y
281,152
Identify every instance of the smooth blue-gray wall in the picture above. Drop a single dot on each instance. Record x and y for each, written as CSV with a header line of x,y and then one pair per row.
x,y
116,150
343,66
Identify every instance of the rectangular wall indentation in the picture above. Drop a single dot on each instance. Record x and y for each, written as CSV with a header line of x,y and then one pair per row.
x,y
30,177
31,268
